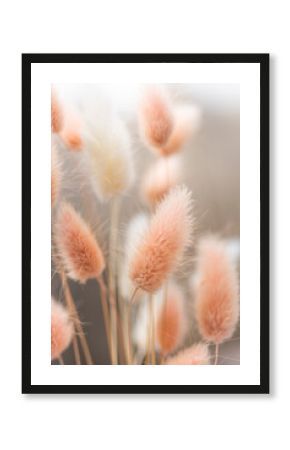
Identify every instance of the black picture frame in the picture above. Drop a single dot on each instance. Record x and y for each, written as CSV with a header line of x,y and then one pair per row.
x,y
27,61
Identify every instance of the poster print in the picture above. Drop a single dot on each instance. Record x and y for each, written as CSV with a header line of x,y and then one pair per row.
x,y
148,255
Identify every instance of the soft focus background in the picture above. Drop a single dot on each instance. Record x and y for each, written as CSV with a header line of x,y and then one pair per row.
x,y
211,171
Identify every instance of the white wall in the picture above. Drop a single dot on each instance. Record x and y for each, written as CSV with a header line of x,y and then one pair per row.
x,y
201,422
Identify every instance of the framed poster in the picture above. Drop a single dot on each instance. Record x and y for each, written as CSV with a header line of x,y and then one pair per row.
x,y
145,223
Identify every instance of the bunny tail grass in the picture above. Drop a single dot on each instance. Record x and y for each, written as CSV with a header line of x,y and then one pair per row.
x,y
197,354
55,177
113,244
155,118
56,113
61,329
129,326
217,299
171,321
80,253
160,178
110,156
75,317
76,349
162,247
187,120
71,132
134,232
152,326
216,354
106,313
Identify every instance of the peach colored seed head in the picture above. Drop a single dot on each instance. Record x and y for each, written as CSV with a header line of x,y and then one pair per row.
x,y
171,321
56,113
164,242
156,118
61,329
162,176
71,131
78,248
197,354
134,232
187,119
55,177
217,298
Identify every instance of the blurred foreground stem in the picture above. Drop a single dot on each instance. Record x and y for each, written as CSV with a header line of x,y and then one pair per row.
x,y
152,323
113,246
216,354
106,313
76,320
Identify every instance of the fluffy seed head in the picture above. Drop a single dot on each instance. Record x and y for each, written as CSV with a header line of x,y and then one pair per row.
x,y
164,242
71,132
134,233
56,113
197,354
171,321
156,118
55,177
162,176
187,120
143,321
78,248
217,299
61,329
110,159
